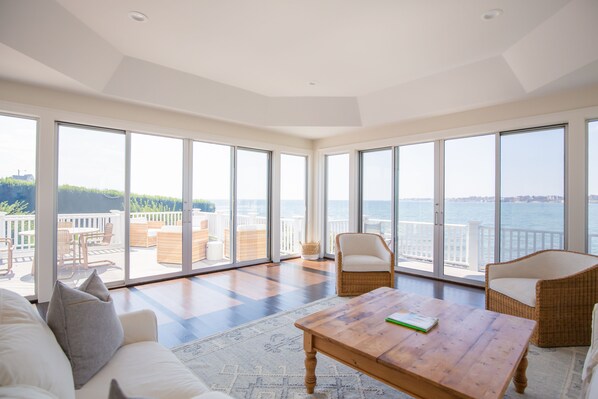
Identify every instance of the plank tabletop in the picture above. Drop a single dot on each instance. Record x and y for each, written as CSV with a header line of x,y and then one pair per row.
x,y
471,352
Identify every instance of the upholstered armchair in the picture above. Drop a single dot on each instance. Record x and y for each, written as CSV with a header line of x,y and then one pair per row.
x,y
363,263
557,289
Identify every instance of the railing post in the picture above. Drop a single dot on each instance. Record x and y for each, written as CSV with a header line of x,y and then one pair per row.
x,y
473,245
3,224
118,228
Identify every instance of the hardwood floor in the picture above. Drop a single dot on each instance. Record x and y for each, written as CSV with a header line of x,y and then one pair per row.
x,y
194,307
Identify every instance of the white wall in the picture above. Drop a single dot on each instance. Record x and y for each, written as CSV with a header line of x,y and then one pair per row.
x,y
49,106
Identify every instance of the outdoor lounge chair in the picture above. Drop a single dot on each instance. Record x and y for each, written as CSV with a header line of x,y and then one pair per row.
x,y
8,249
142,233
363,263
557,289
170,245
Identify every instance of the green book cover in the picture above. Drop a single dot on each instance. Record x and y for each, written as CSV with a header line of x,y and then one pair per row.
x,y
413,320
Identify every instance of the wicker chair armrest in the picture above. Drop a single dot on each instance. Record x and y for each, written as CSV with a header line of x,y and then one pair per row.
x,y
577,289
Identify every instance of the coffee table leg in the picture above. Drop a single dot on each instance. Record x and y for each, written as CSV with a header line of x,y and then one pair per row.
x,y
310,363
520,379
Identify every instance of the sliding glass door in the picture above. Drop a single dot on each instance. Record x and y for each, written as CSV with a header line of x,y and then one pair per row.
x,y
416,210
448,221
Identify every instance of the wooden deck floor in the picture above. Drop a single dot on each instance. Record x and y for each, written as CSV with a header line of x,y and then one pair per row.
x,y
194,307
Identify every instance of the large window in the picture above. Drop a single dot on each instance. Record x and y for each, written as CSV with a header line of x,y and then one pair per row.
x,y
293,203
17,204
91,186
337,198
377,193
593,187
532,212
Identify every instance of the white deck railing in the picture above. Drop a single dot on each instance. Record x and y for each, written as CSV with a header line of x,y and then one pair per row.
x,y
11,226
465,245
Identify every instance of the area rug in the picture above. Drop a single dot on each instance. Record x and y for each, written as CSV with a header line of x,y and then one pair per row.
x,y
264,359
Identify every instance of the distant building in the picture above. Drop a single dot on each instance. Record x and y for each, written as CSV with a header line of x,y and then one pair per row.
x,y
26,177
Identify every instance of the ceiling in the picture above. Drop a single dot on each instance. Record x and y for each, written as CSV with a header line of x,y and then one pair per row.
x,y
312,68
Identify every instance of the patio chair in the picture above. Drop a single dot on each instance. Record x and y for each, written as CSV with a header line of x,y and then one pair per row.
x,y
142,233
170,245
251,242
95,239
557,289
65,246
8,249
363,263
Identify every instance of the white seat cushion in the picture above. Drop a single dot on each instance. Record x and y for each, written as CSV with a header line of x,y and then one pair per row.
x,y
145,369
520,289
364,263
152,232
25,392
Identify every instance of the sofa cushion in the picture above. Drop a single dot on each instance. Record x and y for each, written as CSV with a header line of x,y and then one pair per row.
x,y
117,393
365,263
25,392
145,369
520,289
86,326
29,352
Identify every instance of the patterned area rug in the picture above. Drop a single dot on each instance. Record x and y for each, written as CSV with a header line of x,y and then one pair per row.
x,y
264,359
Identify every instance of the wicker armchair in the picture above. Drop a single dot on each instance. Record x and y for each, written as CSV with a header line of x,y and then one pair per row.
x,y
363,263
557,289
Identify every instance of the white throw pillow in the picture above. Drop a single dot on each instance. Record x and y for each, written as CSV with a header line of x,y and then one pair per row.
x,y
29,352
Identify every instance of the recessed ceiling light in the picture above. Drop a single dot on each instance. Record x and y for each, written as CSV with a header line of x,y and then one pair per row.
x,y
491,14
138,16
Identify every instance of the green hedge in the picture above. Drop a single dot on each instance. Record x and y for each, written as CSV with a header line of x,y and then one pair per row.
x,y
75,199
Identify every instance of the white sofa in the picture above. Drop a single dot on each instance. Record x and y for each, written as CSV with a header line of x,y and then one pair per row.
x,y
590,368
31,357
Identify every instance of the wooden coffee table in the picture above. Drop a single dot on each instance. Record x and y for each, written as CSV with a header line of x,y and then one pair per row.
x,y
471,353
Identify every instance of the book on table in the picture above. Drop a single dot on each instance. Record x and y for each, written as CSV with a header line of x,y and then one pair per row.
x,y
413,320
